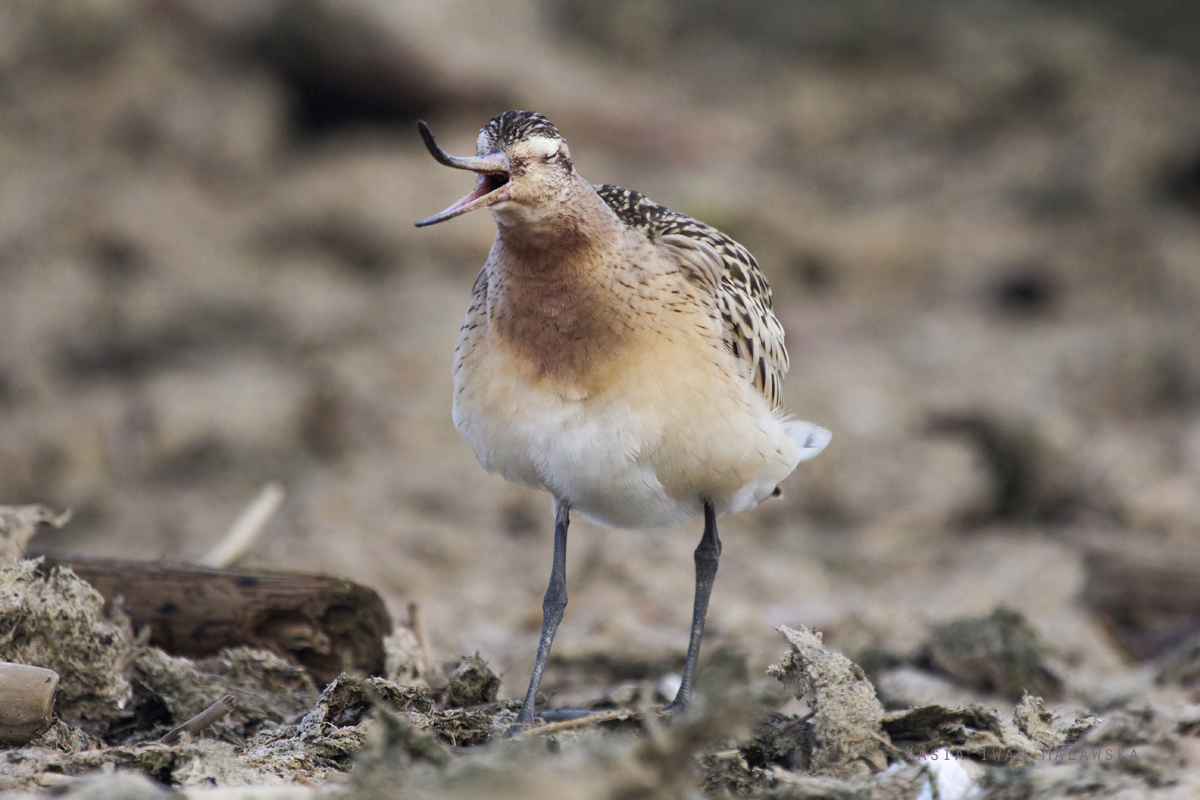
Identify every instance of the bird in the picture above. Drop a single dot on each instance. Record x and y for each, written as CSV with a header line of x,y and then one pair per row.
x,y
620,355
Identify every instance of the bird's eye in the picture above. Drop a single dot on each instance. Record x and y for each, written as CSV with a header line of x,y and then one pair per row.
x,y
549,157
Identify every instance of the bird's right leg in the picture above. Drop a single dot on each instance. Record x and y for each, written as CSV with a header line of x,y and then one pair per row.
x,y
707,555
552,613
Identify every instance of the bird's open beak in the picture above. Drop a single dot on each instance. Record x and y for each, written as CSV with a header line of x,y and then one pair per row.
x,y
492,186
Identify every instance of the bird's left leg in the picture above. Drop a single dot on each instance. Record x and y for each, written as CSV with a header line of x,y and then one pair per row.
x,y
707,554
552,613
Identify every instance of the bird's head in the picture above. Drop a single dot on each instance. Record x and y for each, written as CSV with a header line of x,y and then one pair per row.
x,y
524,169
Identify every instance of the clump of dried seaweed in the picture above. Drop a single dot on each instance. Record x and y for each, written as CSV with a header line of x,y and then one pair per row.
x,y
51,618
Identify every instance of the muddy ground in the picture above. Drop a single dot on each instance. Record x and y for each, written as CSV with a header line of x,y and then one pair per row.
x,y
982,226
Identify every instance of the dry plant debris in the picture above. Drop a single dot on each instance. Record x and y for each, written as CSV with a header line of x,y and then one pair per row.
x,y
998,653
50,618
267,690
472,683
372,738
846,722
981,732
19,523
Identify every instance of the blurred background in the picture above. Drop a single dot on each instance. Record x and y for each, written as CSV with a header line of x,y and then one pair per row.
x,y
981,222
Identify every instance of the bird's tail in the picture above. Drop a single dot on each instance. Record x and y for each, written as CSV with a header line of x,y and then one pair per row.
x,y
810,439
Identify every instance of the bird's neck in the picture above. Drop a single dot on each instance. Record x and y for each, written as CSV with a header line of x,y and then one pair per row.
x,y
551,295
580,230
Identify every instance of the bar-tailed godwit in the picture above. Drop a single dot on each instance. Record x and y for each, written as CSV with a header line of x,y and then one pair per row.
x,y
618,354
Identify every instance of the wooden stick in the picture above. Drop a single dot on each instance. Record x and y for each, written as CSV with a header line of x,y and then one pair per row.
x,y
579,722
787,726
26,701
246,528
214,713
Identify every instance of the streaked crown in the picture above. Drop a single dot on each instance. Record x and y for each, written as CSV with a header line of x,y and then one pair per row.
x,y
505,130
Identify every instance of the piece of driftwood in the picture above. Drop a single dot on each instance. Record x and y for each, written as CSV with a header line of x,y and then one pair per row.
x,y
26,701
327,625
1147,596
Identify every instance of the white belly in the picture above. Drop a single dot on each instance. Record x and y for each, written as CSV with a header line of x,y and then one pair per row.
x,y
645,454
590,454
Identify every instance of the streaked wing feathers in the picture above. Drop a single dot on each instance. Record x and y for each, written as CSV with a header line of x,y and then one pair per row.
x,y
726,272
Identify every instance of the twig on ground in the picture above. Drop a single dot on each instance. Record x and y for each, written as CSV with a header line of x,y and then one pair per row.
x,y
246,528
214,713
787,726
428,665
580,722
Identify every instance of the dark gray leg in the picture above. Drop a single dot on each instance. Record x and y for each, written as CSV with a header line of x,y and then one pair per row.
x,y
552,613
708,553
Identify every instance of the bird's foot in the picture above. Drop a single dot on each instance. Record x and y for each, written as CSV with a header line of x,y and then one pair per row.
x,y
675,708
518,727
560,715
